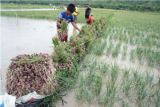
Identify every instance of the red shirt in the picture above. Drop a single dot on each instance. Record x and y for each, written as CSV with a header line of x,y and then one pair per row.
x,y
91,19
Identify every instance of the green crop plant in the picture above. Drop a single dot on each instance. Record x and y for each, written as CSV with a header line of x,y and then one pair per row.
x,y
140,53
104,68
132,40
89,87
114,73
82,91
151,60
142,87
55,41
127,82
149,78
94,83
99,47
109,97
120,37
115,36
157,95
59,55
87,41
125,104
110,37
132,55
116,51
64,25
142,92
124,52
93,63
137,77
109,48
125,39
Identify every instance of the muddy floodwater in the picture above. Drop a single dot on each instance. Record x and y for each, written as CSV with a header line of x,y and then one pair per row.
x,y
26,36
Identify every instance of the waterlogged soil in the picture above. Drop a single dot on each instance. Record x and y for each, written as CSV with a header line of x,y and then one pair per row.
x,y
26,36
70,97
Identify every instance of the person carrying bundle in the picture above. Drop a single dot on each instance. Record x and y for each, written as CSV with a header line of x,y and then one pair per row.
x,y
67,16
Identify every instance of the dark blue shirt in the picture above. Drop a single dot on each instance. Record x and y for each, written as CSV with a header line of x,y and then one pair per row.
x,y
63,15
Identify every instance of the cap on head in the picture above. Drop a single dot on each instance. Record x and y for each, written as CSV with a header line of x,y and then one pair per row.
x,y
86,3
91,14
71,8
75,2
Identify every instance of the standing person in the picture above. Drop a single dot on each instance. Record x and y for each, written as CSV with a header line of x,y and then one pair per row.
x,y
66,15
75,13
87,12
90,20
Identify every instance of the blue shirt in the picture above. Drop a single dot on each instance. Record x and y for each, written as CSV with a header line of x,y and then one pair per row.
x,y
63,15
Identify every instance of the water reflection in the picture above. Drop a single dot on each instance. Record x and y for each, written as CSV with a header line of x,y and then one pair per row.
x,y
74,32
26,36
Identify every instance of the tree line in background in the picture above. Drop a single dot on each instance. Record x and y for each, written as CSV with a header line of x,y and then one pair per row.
x,y
119,5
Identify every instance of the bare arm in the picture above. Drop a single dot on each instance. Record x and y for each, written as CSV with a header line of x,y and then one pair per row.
x,y
58,22
76,11
90,10
75,26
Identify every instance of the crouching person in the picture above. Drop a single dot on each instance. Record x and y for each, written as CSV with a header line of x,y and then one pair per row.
x,y
90,20
67,16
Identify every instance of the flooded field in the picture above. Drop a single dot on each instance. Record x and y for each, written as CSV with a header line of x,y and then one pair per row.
x,y
121,69
27,9
26,36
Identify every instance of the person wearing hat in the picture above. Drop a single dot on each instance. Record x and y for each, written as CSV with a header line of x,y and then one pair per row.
x,y
75,13
87,12
90,20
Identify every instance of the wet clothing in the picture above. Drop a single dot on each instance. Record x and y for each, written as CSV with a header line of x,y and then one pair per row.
x,y
63,15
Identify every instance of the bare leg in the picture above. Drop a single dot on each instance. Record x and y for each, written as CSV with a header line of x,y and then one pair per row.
x,y
86,20
75,21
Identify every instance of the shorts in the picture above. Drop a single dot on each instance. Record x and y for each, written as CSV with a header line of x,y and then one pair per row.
x,y
65,35
88,22
75,17
87,16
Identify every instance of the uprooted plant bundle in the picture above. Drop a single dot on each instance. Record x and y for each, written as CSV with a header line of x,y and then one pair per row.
x,y
67,55
28,73
63,31
34,72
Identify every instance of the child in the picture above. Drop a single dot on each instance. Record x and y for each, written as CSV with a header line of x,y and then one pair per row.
x,y
66,15
90,20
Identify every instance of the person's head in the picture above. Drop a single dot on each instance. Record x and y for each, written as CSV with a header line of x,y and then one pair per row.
x,y
70,9
86,4
91,14
75,3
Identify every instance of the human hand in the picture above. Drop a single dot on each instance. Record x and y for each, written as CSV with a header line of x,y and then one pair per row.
x,y
80,31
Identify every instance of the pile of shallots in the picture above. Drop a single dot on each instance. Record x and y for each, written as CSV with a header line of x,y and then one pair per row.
x,y
28,73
